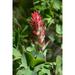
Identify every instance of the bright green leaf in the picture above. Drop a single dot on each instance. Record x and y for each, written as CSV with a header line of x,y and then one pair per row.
x,y
16,54
32,61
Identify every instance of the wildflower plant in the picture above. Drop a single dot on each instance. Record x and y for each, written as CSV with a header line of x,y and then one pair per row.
x,y
37,37
38,28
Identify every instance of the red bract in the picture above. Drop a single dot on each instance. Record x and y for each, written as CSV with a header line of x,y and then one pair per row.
x,y
38,27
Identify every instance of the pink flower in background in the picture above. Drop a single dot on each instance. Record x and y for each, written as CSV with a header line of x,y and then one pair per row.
x,y
38,27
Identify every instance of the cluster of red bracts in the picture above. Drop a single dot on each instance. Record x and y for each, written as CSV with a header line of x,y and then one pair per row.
x,y
38,27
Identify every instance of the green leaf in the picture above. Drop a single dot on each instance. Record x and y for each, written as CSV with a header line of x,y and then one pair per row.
x,y
44,71
32,61
29,49
47,66
38,67
24,72
24,61
58,61
49,20
16,54
21,72
58,65
39,7
38,61
57,4
28,71
36,2
58,29
25,28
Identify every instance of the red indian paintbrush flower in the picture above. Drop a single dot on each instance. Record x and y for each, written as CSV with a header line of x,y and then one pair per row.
x,y
38,27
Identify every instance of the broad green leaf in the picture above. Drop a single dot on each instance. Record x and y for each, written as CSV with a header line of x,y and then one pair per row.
x,y
16,54
24,72
21,72
33,61
28,71
38,61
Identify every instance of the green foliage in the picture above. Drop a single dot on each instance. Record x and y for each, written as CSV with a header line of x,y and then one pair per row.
x,y
27,57
58,29
58,66
16,54
24,72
